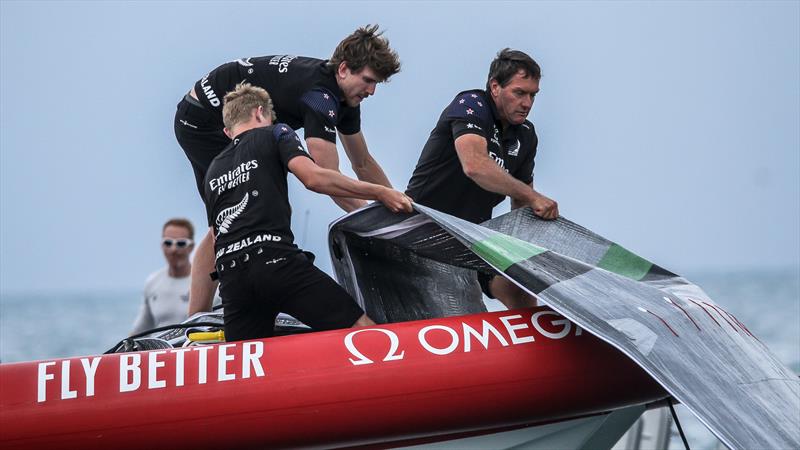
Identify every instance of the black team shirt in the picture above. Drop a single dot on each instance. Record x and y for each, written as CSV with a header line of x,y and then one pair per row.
x,y
246,194
304,92
438,180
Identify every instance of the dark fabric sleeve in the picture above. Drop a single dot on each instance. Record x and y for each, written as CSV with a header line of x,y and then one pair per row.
x,y
289,144
525,171
462,127
208,216
320,114
207,201
350,121
209,212
469,114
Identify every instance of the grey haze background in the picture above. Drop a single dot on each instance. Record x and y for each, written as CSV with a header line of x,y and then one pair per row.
x,y
671,128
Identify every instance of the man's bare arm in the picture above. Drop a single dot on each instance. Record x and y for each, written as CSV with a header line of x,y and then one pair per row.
x,y
477,165
325,181
517,204
326,156
201,292
362,162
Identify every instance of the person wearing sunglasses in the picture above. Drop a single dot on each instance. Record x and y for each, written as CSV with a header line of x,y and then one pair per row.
x,y
321,96
166,291
261,270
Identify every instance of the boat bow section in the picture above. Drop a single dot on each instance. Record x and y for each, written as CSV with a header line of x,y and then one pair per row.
x,y
390,383
703,355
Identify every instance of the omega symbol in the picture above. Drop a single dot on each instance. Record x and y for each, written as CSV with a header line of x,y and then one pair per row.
x,y
391,355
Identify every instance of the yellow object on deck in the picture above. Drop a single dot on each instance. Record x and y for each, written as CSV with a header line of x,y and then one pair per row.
x,y
207,336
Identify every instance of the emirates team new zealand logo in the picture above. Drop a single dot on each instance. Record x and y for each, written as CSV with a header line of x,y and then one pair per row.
x,y
226,217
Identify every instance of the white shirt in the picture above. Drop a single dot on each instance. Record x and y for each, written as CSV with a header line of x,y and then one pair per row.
x,y
166,301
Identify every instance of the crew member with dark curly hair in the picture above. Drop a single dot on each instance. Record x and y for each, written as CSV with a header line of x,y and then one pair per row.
x,y
321,96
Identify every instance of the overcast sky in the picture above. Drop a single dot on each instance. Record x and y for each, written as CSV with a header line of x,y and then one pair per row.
x,y
668,127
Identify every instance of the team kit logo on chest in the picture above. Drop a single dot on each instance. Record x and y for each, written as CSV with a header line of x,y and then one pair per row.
x,y
234,177
226,217
513,149
494,149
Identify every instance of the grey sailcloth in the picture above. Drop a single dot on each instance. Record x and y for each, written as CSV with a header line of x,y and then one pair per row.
x,y
406,267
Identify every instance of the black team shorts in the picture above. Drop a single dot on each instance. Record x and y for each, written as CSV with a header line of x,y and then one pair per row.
x,y
260,285
199,133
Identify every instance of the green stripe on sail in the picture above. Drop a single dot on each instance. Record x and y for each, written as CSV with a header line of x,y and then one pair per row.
x,y
502,250
625,263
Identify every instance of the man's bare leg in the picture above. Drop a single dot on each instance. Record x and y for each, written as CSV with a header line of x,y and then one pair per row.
x,y
510,294
201,292
363,321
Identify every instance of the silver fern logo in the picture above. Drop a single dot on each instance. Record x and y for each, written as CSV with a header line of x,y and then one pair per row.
x,y
226,217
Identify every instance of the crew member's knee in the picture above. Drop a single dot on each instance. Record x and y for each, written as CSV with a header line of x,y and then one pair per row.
x,y
363,321
510,294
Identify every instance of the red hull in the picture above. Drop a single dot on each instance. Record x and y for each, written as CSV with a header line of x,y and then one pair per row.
x,y
316,390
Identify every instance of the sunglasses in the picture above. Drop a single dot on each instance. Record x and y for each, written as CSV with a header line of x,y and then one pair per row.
x,y
180,243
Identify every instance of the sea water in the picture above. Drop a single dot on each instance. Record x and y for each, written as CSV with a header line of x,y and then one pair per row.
x,y
56,325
